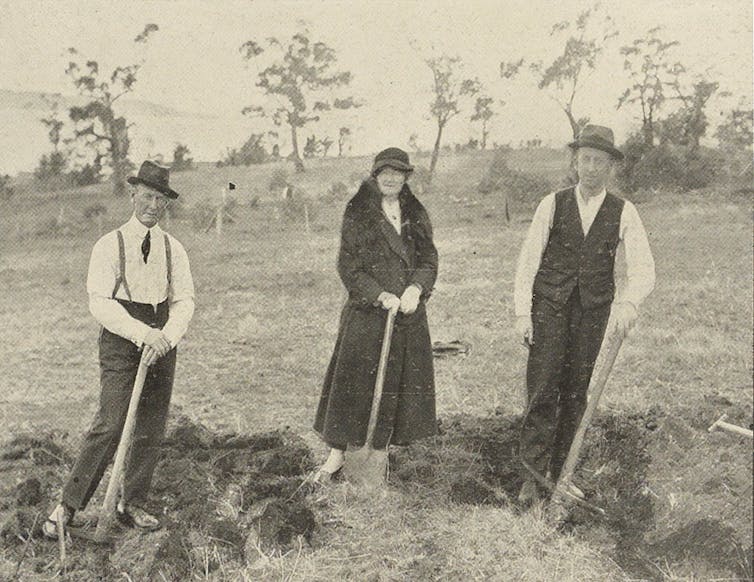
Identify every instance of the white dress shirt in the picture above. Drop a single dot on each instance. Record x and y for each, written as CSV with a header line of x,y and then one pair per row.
x,y
633,247
147,282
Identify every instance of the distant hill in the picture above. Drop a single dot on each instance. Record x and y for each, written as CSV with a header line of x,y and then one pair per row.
x,y
41,102
156,128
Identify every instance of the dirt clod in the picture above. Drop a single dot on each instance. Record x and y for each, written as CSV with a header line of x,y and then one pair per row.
x,y
205,489
281,523
29,492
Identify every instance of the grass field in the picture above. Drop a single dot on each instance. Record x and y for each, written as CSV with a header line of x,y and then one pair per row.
x,y
268,301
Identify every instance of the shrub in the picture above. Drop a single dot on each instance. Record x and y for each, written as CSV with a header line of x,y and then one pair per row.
x,y
668,166
251,152
181,159
278,181
297,207
52,165
515,184
87,174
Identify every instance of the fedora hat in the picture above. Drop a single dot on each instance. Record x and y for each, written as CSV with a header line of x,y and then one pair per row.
x,y
394,158
154,176
599,138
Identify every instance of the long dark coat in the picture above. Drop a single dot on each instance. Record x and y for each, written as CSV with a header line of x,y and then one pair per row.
x,y
374,258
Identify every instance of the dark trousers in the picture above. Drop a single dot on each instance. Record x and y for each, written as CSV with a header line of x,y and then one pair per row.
x,y
119,362
567,340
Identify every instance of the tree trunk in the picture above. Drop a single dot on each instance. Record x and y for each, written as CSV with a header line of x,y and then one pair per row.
x,y
296,157
484,134
435,154
573,172
575,129
649,133
119,145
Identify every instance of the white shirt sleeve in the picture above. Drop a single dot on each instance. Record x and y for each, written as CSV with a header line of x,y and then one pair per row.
x,y
531,255
640,265
100,282
181,295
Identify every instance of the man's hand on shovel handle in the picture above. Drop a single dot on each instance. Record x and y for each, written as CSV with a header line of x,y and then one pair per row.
x,y
624,316
156,345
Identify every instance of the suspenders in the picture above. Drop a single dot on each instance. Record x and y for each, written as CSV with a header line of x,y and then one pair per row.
x,y
120,279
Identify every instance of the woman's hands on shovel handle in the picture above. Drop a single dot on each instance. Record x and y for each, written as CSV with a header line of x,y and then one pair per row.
x,y
410,299
389,301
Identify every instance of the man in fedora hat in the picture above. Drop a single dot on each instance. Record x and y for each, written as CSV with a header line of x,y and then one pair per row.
x,y
142,294
565,292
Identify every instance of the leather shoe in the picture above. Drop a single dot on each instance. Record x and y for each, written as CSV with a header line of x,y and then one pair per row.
x,y
134,516
61,513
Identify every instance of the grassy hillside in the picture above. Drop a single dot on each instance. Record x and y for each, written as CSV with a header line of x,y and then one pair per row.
x,y
268,301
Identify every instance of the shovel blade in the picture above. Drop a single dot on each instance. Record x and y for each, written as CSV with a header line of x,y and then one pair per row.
x,y
366,467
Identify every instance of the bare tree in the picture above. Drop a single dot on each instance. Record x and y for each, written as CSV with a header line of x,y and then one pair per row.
x,y
648,61
483,112
326,144
52,165
585,40
53,123
448,89
98,127
300,72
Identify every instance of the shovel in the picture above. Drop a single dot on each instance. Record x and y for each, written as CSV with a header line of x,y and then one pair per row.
x,y
107,517
602,367
365,465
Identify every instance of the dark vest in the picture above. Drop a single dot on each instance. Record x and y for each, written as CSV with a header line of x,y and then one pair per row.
x,y
572,261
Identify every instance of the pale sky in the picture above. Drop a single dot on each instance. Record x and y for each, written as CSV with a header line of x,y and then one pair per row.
x,y
193,63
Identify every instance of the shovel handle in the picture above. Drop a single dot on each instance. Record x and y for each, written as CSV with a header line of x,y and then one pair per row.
x,y
107,513
604,364
380,381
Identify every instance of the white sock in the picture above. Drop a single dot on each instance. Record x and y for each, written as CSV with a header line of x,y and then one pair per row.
x,y
334,461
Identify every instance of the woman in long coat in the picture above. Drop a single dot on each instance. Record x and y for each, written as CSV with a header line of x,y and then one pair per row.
x,y
387,260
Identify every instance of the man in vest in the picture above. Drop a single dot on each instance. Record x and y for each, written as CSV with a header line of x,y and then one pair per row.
x,y
565,292
141,292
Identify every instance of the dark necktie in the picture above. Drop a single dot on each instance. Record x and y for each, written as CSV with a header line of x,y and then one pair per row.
x,y
146,244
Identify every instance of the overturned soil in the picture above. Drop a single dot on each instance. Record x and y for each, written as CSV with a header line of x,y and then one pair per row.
x,y
625,468
224,499
227,499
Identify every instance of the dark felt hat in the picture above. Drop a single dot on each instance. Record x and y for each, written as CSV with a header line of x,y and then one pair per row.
x,y
599,138
154,176
394,158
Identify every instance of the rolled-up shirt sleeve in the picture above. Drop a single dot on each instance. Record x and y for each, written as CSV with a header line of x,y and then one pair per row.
x,y
531,255
181,296
640,265
100,282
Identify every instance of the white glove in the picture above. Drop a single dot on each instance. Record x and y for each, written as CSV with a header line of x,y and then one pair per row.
x,y
410,299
